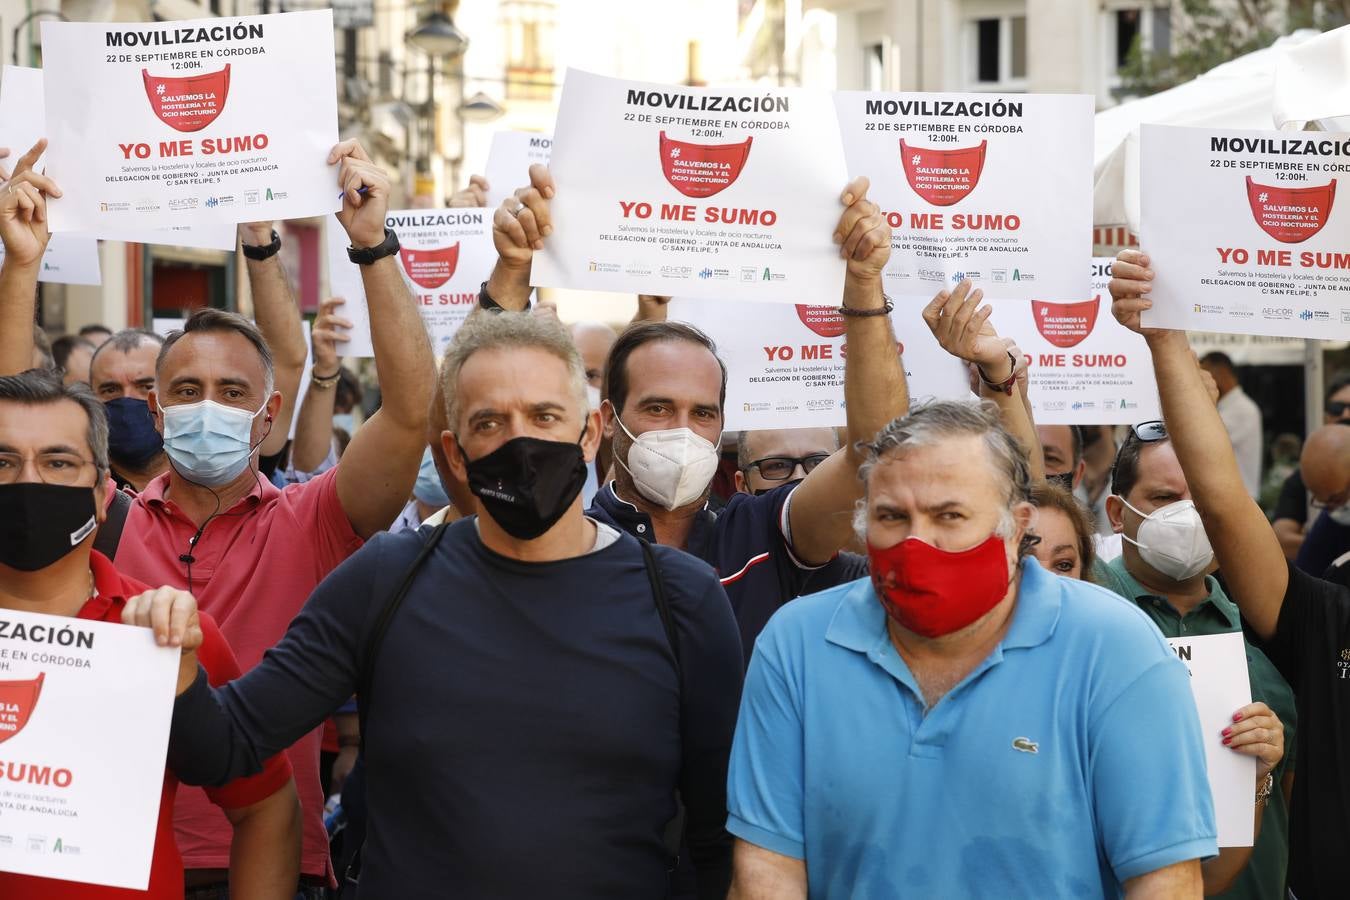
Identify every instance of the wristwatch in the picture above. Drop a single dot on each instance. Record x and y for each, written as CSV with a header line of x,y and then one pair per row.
x,y
367,255
266,251
1006,386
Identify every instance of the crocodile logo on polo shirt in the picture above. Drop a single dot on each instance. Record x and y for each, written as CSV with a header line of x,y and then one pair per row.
x,y
1026,745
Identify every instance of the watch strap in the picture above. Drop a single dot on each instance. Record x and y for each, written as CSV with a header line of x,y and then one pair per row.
x,y
266,251
364,256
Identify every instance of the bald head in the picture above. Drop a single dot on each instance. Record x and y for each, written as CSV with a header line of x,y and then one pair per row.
x,y
593,340
1326,464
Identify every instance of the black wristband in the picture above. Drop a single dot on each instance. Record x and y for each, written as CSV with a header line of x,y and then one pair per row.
x,y
367,255
266,251
885,309
486,302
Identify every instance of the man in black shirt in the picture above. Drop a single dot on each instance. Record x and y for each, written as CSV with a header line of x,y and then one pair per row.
x,y
1293,511
538,698
1304,620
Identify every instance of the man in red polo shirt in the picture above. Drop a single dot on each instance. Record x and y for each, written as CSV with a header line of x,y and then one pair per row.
x,y
53,470
212,524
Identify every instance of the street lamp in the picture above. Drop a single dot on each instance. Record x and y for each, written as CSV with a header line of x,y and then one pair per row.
x,y
481,108
438,36
35,14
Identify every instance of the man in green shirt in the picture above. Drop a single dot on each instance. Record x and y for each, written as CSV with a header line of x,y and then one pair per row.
x,y
1162,569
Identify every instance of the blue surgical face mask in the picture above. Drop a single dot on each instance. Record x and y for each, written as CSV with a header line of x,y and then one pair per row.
x,y
345,421
133,441
428,488
207,442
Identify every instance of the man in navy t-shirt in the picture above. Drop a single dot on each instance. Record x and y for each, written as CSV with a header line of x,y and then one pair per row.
x,y
537,700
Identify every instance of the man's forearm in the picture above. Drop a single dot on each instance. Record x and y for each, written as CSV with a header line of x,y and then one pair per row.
x,y
204,748
509,287
314,429
1017,419
18,298
875,391
278,319
403,354
265,851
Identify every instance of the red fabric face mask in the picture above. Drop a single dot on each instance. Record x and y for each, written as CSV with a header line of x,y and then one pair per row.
x,y
430,268
701,170
823,320
942,177
934,592
18,699
1290,215
188,104
1066,324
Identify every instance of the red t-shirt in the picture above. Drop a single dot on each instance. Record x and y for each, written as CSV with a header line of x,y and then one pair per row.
x,y
254,566
166,868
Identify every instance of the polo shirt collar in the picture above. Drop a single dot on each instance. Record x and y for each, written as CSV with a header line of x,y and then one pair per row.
x,y
262,490
629,517
859,623
1215,602
111,590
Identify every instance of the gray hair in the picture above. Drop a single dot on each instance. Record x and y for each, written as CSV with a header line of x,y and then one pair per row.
x,y
128,340
508,330
943,420
42,387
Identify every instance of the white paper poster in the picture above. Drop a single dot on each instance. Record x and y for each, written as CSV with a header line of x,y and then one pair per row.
x,y
724,194
23,119
997,189
446,256
69,808
785,364
1244,232
1220,683
1086,368
70,259
178,123
509,160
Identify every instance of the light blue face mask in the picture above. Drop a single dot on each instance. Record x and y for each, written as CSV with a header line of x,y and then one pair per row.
x,y
207,442
428,488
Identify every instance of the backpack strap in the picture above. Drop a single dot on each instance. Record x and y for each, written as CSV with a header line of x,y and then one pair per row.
x,y
366,678
659,596
110,532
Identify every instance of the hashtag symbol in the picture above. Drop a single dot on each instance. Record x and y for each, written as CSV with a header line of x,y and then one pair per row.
x,y
915,160
1264,197
674,152
159,90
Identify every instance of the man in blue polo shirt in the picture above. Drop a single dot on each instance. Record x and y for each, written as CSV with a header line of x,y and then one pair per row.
x,y
964,724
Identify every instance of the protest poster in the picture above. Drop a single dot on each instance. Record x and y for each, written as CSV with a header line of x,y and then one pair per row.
x,y
69,259
446,256
785,364
69,808
1086,368
720,193
193,123
996,189
1243,232
1221,686
23,120
509,160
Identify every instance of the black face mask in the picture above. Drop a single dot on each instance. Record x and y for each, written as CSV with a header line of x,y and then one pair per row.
x,y
133,441
1064,480
776,485
41,523
528,483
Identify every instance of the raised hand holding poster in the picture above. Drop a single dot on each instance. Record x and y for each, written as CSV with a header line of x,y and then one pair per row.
x,y
446,255
1245,231
981,186
720,193
209,121
69,808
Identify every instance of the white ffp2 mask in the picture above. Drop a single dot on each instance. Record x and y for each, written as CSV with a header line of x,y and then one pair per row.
x,y
671,467
1172,540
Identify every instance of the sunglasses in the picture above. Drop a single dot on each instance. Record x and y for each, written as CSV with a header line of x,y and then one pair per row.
x,y
1337,408
780,468
1149,432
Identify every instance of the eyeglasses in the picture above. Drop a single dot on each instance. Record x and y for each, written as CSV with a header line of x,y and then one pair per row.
x,y
1149,432
780,468
52,468
1337,408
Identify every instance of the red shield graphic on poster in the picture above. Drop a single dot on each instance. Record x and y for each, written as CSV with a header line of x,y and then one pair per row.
x,y
823,320
701,170
1066,324
18,699
1290,215
942,177
190,103
430,268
